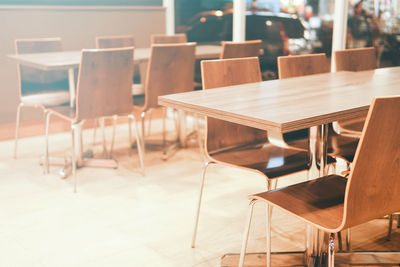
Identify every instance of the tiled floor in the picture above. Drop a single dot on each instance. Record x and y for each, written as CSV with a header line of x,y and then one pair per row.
x,y
119,218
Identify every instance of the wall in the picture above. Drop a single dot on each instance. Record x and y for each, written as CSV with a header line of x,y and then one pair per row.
x,y
77,26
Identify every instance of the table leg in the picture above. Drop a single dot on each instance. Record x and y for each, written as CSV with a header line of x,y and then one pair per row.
x,y
316,239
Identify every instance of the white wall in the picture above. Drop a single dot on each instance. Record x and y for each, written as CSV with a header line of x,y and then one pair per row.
x,y
77,26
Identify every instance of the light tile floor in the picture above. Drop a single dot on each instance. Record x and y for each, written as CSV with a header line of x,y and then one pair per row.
x,y
120,218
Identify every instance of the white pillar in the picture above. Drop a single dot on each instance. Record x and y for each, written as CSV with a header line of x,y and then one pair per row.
x,y
339,28
169,16
239,21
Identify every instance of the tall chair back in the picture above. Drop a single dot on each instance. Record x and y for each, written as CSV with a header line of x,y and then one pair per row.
x,y
242,49
170,70
357,59
301,65
374,185
104,83
115,41
32,80
168,39
221,134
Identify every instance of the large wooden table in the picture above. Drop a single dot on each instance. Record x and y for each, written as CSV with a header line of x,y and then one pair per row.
x,y
281,106
292,104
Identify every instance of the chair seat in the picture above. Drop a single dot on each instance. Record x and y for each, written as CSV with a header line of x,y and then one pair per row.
x,y
319,201
270,160
65,112
47,99
342,146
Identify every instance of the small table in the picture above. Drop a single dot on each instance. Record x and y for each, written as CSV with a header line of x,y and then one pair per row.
x,y
69,60
281,106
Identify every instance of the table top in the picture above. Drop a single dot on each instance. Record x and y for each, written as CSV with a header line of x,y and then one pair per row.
x,y
292,104
71,59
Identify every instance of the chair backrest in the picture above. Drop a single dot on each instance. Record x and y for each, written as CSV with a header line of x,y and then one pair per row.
x,y
242,49
168,39
221,134
300,65
115,41
104,83
373,188
356,59
170,70
32,80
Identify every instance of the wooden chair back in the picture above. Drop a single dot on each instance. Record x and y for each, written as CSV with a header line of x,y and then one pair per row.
x,y
168,39
221,134
32,80
242,49
301,65
115,41
170,70
373,188
104,83
356,59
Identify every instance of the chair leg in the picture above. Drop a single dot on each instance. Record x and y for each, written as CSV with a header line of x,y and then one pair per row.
x,y
271,184
196,222
46,155
389,234
164,127
103,129
331,250
149,122
73,157
115,118
20,105
139,142
348,238
142,118
94,131
246,232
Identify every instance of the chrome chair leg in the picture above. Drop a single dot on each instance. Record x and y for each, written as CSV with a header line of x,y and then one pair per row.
x,y
246,232
73,157
142,118
103,129
115,118
46,155
164,127
139,142
196,222
94,131
331,251
20,105
149,122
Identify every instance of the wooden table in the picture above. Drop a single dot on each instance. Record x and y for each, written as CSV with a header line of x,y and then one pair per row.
x,y
281,106
69,60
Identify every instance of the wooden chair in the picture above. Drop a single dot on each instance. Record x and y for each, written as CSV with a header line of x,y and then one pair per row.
x,y
334,203
37,88
168,39
119,41
170,70
241,49
103,89
115,41
294,66
357,59
238,145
